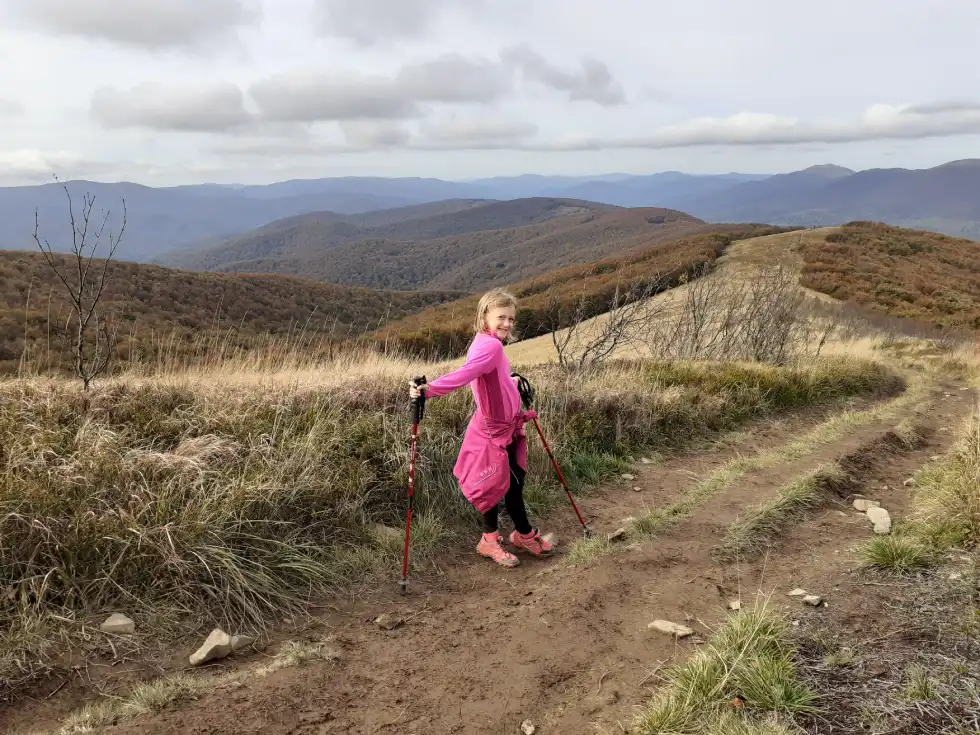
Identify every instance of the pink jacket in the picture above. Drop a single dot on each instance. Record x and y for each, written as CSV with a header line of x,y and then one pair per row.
x,y
482,467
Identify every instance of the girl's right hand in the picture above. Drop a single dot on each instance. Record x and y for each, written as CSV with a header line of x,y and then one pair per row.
x,y
415,391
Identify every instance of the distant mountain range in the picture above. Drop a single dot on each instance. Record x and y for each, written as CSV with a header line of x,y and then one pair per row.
x,y
943,199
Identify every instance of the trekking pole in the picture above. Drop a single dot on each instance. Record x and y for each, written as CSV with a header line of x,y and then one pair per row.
x,y
527,397
418,411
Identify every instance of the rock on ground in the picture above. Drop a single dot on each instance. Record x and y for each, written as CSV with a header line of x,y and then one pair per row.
x,y
388,622
881,520
216,645
863,504
674,629
118,623
618,535
527,727
798,592
813,600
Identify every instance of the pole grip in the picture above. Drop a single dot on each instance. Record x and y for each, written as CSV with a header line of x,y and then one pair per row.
x,y
525,389
418,404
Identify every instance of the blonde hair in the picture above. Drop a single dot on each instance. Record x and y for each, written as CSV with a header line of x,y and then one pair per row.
x,y
491,300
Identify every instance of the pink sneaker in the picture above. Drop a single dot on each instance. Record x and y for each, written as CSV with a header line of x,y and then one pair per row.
x,y
531,543
490,547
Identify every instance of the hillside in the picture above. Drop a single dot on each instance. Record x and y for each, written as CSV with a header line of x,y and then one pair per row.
x,y
909,273
484,246
548,299
152,305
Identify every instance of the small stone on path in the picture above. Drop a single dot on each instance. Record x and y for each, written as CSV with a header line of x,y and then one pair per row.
x,y
238,642
813,600
118,623
637,489
909,482
618,535
646,460
527,727
217,645
735,605
862,504
628,477
388,622
798,592
881,520
674,629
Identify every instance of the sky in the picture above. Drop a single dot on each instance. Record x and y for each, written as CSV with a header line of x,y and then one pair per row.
x,y
167,92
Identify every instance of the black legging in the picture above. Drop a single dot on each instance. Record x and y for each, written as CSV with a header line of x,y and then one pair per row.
x,y
514,499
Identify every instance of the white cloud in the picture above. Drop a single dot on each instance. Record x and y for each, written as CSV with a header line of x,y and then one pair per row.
x,y
369,134
474,134
189,108
143,24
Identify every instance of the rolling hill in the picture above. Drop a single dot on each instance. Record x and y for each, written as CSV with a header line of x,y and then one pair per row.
x,y
152,305
472,249
547,299
164,220
901,272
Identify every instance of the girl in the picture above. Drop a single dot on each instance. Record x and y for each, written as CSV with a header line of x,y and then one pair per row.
x,y
492,462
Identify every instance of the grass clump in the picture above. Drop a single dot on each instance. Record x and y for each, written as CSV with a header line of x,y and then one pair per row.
x,y
744,674
751,532
899,554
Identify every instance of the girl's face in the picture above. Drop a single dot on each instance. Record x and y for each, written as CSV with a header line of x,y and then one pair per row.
x,y
500,321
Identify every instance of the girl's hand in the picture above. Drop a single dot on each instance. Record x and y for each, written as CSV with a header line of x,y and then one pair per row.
x,y
415,391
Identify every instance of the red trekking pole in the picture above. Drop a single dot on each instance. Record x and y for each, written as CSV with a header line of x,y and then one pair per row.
x,y
418,410
527,397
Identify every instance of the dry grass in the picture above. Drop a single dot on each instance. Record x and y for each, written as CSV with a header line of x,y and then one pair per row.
x,y
238,495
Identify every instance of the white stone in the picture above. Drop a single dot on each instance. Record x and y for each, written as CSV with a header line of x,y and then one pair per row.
x,y
862,504
628,477
217,645
798,592
674,629
735,605
118,623
527,727
881,520
618,535
813,600
238,642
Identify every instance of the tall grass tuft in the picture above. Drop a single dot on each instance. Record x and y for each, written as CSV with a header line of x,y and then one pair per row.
x,y
749,660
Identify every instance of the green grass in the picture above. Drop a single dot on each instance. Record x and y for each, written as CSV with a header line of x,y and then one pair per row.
x,y
750,657
945,514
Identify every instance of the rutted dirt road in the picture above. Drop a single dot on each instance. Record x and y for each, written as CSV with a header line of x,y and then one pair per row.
x,y
484,648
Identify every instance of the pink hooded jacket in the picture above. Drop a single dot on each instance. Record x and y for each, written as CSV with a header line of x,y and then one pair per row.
x,y
482,467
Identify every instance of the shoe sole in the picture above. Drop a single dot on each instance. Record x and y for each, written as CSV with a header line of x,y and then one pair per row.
x,y
505,564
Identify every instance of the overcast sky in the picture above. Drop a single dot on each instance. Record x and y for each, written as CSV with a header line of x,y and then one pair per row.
x,y
188,91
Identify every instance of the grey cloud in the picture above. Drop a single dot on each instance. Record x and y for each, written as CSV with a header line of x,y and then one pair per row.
x,y
145,24
593,83
205,108
374,133
475,134
312,96
944,106
367,22
11,108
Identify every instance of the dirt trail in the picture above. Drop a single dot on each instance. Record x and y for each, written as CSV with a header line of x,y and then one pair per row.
x,y
484,648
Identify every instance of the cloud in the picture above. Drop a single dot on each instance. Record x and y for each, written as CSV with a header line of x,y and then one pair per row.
x,y
11,108
310,96
187,108
370,134
474,134
29,165
369,22
593,83
943,106
748,129
144,24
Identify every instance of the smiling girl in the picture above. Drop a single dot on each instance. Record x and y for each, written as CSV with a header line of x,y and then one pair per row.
x,y
492,462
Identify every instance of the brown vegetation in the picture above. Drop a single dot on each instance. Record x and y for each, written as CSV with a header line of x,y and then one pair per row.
x,y
905,273
561,297
155,308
